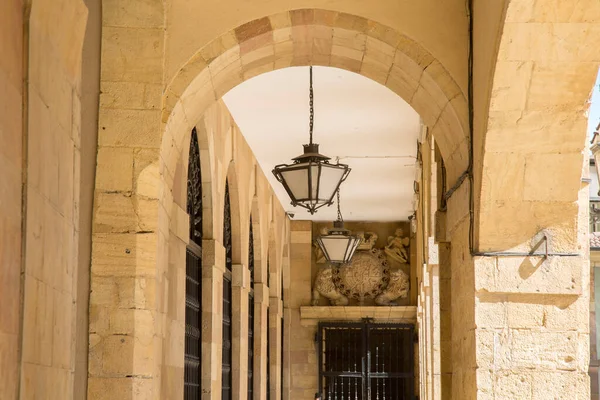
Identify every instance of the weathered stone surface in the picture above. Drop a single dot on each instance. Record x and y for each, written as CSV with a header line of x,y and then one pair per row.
x,y
513,328
555,275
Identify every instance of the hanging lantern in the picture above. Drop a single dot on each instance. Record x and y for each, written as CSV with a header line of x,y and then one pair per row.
x,y
311,181
339,244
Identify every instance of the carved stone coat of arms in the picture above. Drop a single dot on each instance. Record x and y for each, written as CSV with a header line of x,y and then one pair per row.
x,y
368,276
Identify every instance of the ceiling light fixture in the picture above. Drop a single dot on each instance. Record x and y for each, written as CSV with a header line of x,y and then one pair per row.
x,y
311,181
338,245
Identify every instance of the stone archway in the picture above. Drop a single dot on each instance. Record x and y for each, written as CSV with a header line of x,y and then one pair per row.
x,y
318,37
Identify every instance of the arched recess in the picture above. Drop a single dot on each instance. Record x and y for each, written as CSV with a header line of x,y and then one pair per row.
x,y
238,236
529,179
206,171
318,37
193,287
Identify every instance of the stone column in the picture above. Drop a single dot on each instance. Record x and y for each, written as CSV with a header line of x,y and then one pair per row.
x,y
445,301
276,312
287,315
419,371
519,324
303,354
425,345
261,303
434,322
213,268
239,325
130,243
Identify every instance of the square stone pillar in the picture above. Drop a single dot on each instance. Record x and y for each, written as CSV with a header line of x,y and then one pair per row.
x,y
419,371
303,367
287,316
275,312
531,334
213,268
261,304
434,332
239,328
425,336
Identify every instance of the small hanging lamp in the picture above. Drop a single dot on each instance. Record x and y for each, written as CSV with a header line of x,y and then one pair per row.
x,y
311,182
339,244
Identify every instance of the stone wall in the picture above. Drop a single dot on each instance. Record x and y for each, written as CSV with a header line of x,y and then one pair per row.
x,y
41,152
40,130
137,314
11,164
519,326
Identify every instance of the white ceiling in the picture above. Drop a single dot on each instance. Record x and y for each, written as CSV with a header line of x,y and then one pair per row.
x,y
368,126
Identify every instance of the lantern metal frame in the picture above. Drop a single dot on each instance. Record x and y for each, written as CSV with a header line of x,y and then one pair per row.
x,y
339,233
314,163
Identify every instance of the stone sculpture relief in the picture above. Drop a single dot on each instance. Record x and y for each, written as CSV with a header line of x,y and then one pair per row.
x,y
367,240
368,275
397,248
324,287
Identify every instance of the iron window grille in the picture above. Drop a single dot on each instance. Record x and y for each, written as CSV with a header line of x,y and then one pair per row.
x,y
193,275
251,314
226,377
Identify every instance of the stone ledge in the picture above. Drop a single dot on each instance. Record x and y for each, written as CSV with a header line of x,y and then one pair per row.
x,y
312,315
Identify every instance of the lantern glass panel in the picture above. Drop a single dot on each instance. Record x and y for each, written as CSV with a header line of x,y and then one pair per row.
x,y
352,247
314,175
296,179
338,248
335,247
331,176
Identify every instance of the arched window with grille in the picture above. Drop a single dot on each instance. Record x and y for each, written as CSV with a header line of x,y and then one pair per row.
x,y
282,330
193,276
268,336
251,315
226,377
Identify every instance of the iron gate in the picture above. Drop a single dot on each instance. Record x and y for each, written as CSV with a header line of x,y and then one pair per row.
x,y
366,361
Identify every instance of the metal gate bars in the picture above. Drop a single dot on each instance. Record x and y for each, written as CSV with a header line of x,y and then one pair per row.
x,y
366,361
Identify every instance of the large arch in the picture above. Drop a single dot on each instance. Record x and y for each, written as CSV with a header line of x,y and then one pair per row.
x,y
375,49
302,37
318,37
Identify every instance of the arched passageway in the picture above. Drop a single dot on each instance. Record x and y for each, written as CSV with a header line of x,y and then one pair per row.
x,y
487,198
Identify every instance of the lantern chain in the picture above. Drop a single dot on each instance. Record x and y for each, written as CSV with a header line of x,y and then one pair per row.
x,y
312,110
338,206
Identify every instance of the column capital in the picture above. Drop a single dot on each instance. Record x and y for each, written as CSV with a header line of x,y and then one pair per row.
x,y
261,293
276,306
213,253
240,276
